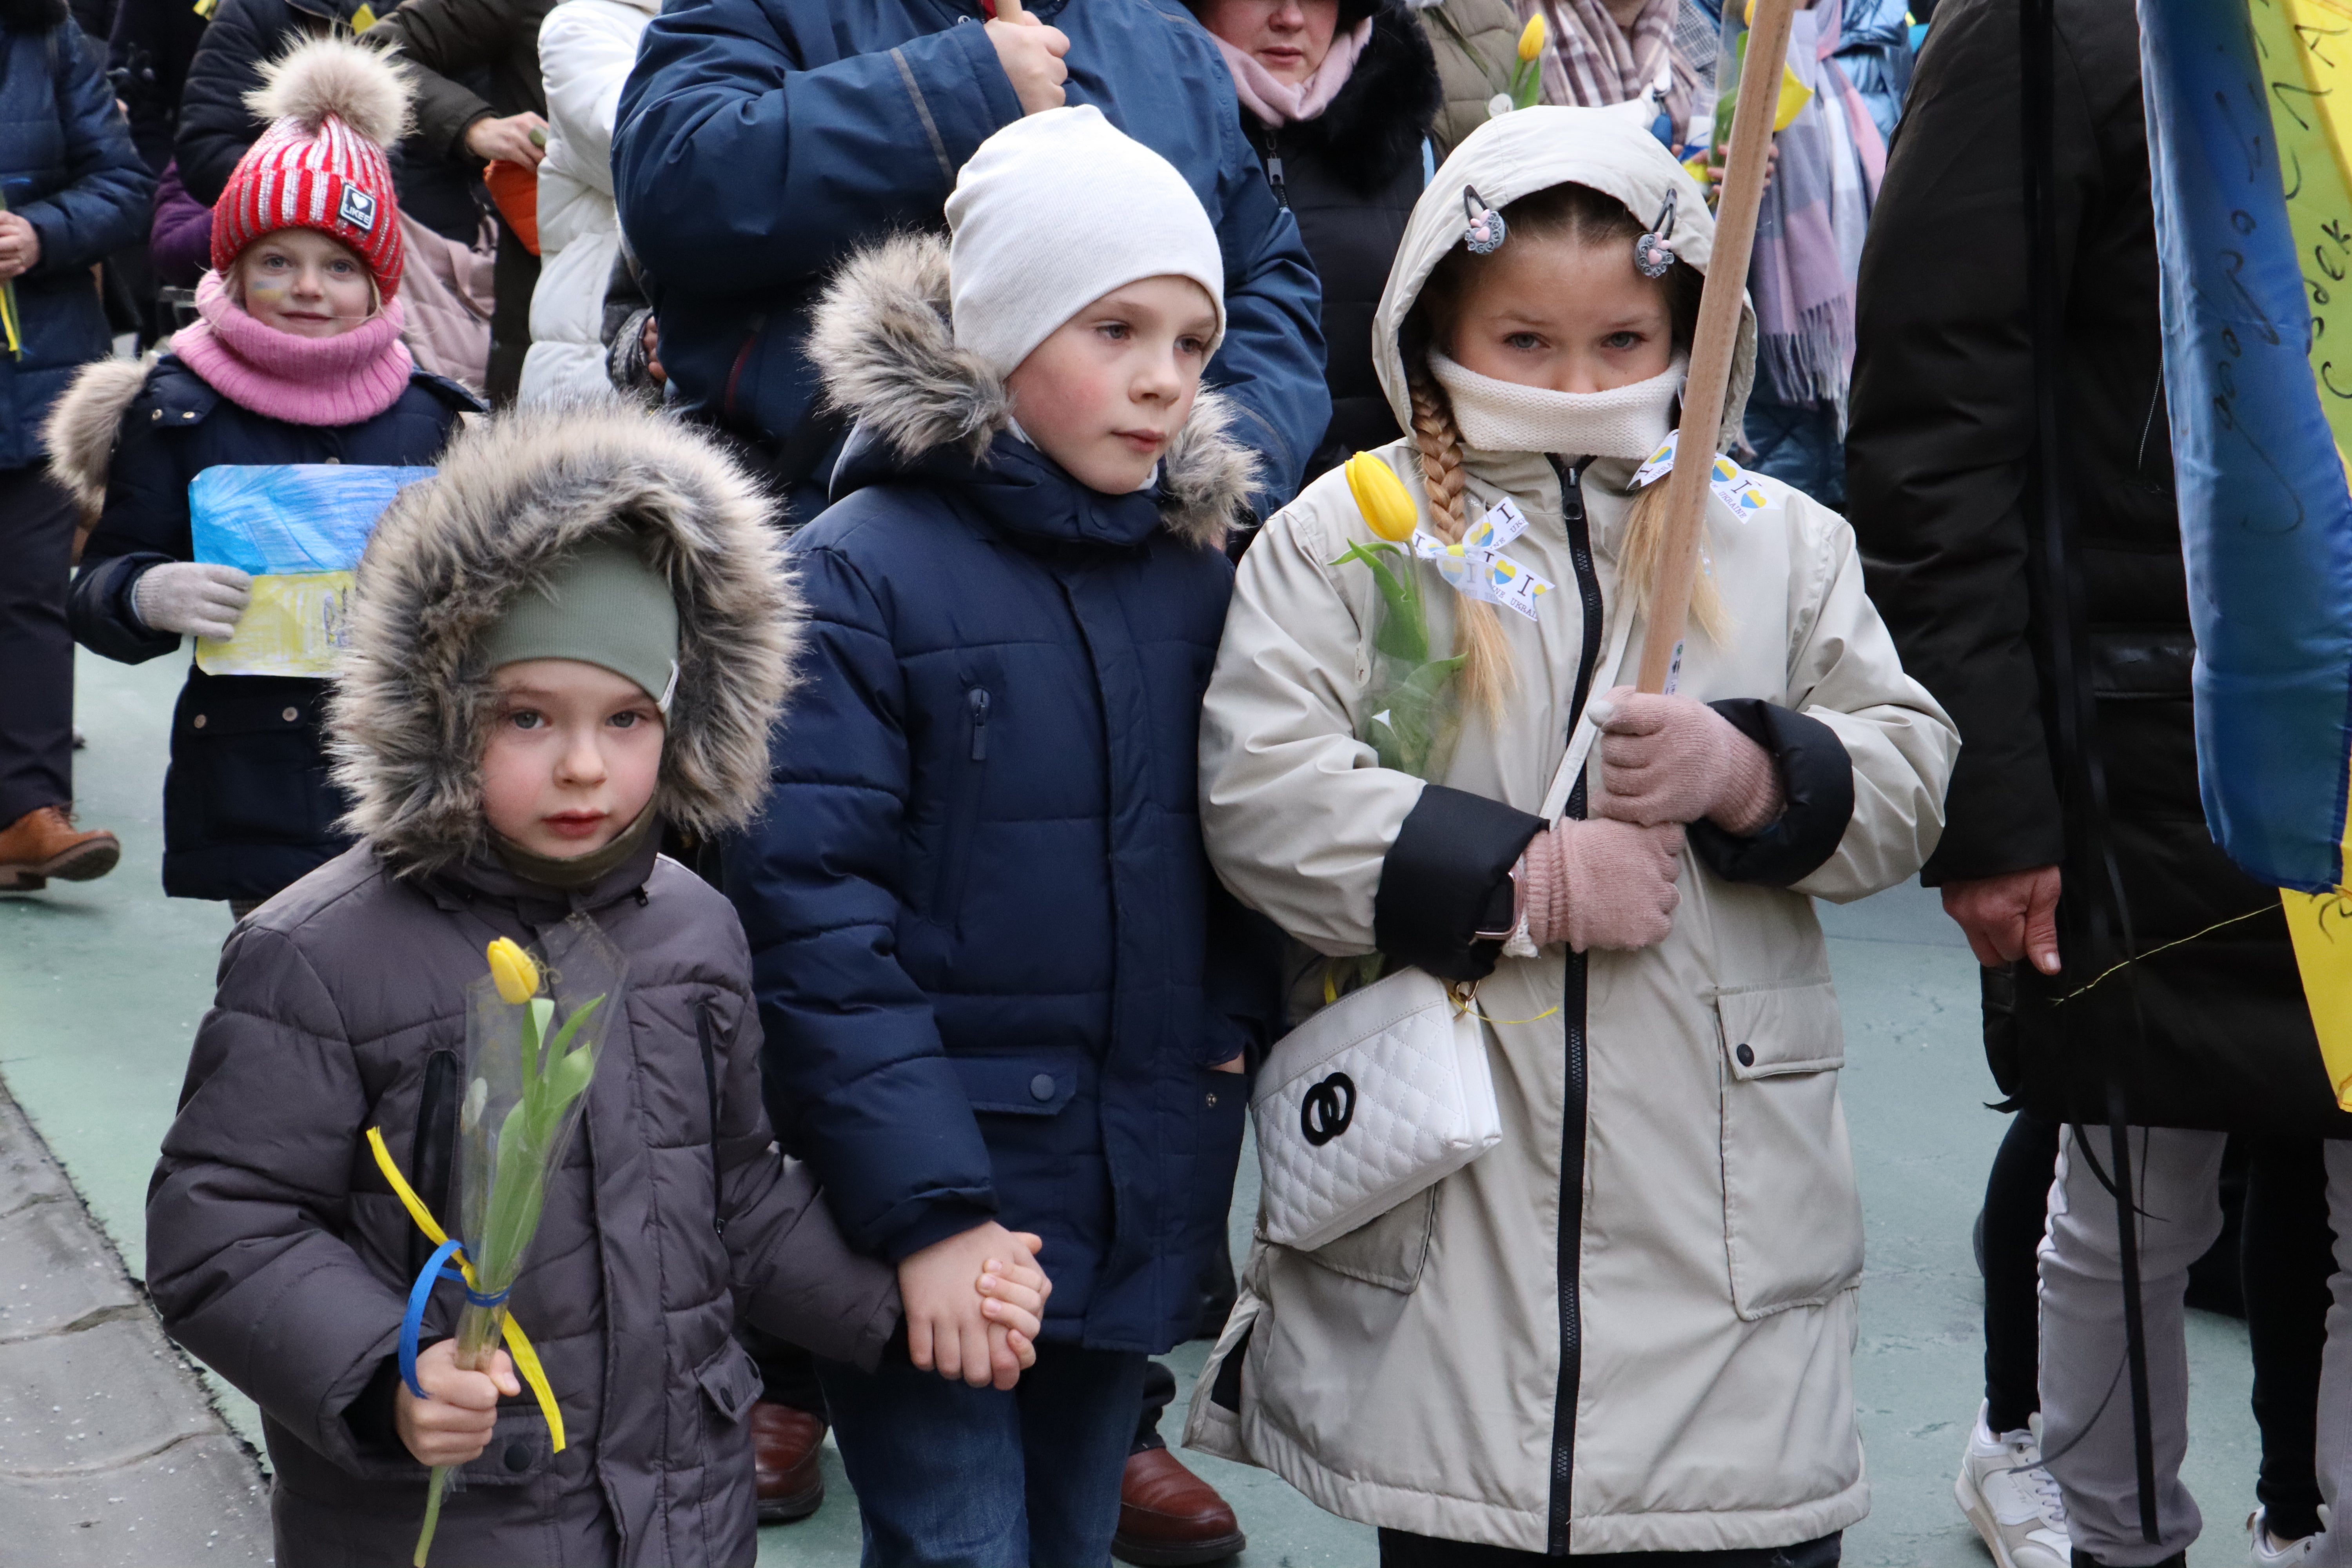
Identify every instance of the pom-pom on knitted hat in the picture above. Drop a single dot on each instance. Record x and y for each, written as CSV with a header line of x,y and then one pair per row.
x,y
333,107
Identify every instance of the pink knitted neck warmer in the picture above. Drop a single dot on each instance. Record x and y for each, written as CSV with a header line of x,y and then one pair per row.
x,y
1279,102
303,381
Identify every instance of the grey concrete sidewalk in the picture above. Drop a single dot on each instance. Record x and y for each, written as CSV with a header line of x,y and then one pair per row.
x,y
109,1452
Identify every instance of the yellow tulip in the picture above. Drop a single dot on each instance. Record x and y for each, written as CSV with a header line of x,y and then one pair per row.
x,y
1531,38
1380,497
515,975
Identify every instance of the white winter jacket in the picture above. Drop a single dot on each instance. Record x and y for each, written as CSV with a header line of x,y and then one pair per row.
x,y
1629,1326
585,50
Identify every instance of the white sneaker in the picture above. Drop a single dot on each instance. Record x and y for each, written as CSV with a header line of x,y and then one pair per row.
x,y
2011,1499
2262,1554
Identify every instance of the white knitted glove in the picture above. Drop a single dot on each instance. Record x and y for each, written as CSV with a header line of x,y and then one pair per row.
x,y
191,596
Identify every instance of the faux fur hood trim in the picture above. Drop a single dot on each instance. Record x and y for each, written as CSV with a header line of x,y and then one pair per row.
x,y
514,496
80,432
882,341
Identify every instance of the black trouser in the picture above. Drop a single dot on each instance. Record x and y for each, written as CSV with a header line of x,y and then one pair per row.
x,y
1399,1550
37,652
2284,1261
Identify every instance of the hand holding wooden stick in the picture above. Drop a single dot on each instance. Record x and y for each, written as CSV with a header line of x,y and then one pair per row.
x,y
1717,336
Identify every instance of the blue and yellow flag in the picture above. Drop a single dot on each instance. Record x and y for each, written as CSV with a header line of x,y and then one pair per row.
x,y
2250,133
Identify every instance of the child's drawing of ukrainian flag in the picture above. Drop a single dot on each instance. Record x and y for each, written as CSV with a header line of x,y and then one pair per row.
x,y
298,529
2249,124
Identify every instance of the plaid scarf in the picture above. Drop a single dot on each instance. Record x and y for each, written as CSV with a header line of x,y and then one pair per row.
x,y
1593,62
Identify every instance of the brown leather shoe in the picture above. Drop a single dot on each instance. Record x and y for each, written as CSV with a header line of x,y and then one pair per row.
x,y
784,1444
1170,1518
43,843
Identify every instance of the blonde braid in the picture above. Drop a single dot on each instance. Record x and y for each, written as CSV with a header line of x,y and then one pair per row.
x,y
1642,558
1487,674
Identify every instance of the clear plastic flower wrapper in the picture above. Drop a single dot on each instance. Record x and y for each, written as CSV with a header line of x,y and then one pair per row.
x,y
1410,715
535,1028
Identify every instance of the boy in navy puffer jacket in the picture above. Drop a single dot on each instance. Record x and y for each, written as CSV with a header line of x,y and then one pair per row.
x,y
1000,986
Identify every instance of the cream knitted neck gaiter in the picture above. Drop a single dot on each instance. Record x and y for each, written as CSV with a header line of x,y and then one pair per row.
x,y
1629,421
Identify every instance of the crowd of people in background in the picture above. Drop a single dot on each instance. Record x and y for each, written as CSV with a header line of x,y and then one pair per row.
x,y
706,207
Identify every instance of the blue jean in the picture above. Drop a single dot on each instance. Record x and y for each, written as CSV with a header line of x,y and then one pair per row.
x,y
952,1477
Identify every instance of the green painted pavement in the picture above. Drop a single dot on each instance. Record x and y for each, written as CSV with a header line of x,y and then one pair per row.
x,y
101,985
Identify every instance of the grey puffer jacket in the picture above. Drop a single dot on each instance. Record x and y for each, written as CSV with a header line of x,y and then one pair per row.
x,y
277,1251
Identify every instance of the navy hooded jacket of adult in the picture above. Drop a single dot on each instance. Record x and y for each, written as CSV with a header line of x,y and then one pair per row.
x,y
761,141
992,965
66,167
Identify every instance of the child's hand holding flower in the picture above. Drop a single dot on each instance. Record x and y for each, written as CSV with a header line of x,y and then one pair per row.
x,y
453,1423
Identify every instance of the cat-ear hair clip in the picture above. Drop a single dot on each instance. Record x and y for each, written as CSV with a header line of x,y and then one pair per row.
x,y
1485,231
1652,257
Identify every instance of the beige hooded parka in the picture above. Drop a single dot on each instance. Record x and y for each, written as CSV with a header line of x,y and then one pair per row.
x,y
1629,1326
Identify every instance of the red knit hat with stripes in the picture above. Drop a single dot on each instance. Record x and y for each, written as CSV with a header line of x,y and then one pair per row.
x,y
333,106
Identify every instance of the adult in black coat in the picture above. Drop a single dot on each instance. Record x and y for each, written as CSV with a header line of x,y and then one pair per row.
x,y
217,127
2214,1034
1348,171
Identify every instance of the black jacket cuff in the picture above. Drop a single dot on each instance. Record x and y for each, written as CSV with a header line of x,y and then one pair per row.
x,y
1816,780
370,1417
1447,878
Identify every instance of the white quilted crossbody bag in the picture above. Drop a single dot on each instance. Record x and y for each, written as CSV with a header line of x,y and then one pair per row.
x,y
1385,1092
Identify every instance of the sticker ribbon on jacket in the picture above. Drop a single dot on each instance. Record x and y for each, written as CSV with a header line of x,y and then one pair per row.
x,y
1477,567
436,1268
1733,486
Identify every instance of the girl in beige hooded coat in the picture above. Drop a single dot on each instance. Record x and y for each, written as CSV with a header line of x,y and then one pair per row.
x,y
1627,1327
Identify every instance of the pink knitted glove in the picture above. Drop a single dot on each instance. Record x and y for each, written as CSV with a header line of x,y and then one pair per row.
x,y
1669,759
1601,884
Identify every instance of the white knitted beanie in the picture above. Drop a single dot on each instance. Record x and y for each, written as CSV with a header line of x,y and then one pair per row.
x,y
1053,212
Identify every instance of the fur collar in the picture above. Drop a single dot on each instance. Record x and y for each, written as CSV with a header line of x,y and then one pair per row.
x,y
512,496
79,432
882,341
1374,129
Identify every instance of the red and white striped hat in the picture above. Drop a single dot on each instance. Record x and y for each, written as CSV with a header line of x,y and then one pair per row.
x,y
333,107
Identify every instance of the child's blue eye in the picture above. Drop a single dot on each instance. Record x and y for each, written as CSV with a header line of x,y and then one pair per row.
x,y
1622,341
1524,342
526,719
1117,332
626,720
1192,345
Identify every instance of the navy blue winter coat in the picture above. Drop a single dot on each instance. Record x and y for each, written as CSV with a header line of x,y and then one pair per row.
x,y
247,805
992,965
66,167
762,140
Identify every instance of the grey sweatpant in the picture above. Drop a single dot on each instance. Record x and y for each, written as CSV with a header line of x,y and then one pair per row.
x,y
2086,1412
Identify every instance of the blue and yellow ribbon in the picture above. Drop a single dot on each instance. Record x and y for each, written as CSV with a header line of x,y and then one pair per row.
x,y
526,1359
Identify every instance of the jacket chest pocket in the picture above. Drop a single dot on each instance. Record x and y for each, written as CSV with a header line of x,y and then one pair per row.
x,y
1792,1213
977,713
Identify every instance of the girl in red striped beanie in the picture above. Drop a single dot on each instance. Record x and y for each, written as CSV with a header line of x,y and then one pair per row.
x,y
297,362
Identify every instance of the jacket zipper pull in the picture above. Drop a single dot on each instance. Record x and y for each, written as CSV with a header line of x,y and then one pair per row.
x,y
1571,494
979,703
1274,174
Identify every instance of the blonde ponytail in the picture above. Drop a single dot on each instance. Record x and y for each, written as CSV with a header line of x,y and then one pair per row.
x,y
1487,674
1642,556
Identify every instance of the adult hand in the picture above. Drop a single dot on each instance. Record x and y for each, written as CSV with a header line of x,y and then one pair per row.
x,y
947,1330
20,245
1031,54
1671,759
197,596
452,1425
2009,916
508,139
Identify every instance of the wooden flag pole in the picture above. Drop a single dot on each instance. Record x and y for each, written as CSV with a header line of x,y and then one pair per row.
x,y
1717,336
1008,10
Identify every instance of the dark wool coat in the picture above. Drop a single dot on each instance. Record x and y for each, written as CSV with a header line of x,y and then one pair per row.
x,y
1350,177
763,141
216,126
277,1252
1942,424
66,167
247,805
985,938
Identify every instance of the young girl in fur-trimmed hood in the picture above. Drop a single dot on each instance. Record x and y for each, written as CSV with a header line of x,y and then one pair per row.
x,y
1627,1327
984,929
297,360
580,630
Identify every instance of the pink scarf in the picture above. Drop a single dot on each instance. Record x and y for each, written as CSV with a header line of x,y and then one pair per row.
x,y
303,381
1279,102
